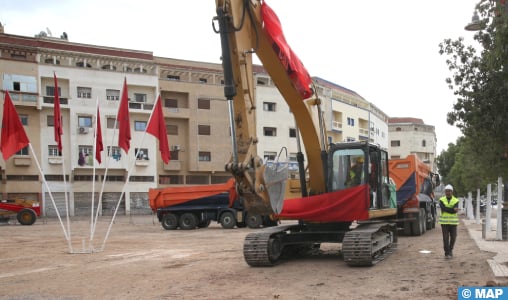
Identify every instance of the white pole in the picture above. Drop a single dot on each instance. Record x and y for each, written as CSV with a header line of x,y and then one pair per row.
x,y
469,206
67,237
478,206
488,210
127,179
93,172
499,226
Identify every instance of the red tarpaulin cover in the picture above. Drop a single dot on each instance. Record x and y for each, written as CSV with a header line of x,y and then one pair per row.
x,y
345,205
294,67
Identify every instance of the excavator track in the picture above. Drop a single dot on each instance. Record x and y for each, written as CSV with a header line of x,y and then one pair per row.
x,y
264,247
369,243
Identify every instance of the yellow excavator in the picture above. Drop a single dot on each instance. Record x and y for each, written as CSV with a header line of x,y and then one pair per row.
x,y
342,194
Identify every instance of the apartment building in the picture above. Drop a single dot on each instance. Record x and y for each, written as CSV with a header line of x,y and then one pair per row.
x,y
349,117
412,136
195,111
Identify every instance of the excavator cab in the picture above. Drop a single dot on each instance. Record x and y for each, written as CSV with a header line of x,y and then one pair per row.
x,y
360,163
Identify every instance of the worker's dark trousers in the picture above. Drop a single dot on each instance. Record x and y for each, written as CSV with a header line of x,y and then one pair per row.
x,y
449,237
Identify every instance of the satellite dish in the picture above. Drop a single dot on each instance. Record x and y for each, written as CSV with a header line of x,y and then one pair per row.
x,y
49,31
64,36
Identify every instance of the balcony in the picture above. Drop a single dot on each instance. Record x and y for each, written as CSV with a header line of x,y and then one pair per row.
x,y
336,125
173,165
55,160
142,162
140,105
51,100
22,161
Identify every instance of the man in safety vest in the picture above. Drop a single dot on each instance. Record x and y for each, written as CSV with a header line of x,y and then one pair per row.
x,y
449,220
355,174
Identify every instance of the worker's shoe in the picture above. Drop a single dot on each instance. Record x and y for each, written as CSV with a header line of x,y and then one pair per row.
x,y
448,256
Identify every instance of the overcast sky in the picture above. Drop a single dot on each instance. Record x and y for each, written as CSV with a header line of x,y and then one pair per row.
x,y
386,51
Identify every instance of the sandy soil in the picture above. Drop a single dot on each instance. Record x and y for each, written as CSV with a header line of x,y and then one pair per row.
x,y
143,261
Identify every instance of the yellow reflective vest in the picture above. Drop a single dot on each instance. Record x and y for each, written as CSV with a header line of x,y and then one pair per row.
x,y
447,218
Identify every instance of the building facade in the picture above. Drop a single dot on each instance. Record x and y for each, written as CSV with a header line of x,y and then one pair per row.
x,y
195,112
412,136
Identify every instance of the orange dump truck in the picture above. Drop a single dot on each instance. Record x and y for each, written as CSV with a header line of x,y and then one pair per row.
x,y
188,207
415,183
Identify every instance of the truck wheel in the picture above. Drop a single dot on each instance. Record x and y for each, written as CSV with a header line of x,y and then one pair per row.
x,y
26,216
188,221
418,226
227,220
430,222
169,221
254,221
205,223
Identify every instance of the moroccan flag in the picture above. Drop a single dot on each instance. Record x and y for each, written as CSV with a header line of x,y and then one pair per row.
x,y
13,134
157,128
124,129
57,117
99,147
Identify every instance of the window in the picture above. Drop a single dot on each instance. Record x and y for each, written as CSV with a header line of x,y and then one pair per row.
x,y
52,61
84,92
23,151
110,123
141,98
50,91
205,156
82,64
172,129
139,125
351,122
203,103
398,129
141,153
24,119
109,67
85,121
204,129
174,154
53,151
141,178
114,152
170,103
292,132
395,143
269,131
50,121
268,106
170,179
424,143
173,77
20,83
85,155
270,156
113,95
203,80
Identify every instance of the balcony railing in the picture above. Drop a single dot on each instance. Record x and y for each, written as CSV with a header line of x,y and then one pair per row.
x,y
336,125
51,100
139,105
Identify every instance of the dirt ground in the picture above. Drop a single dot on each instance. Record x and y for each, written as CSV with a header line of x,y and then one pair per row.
x,y
143,261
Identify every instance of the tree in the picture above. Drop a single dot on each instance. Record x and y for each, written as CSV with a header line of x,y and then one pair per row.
x,y
480,83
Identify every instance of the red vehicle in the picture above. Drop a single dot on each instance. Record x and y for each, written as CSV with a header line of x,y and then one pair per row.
x,y
26,211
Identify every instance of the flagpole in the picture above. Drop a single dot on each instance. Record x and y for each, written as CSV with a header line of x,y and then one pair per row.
x,y
67,237
128,176
93,172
